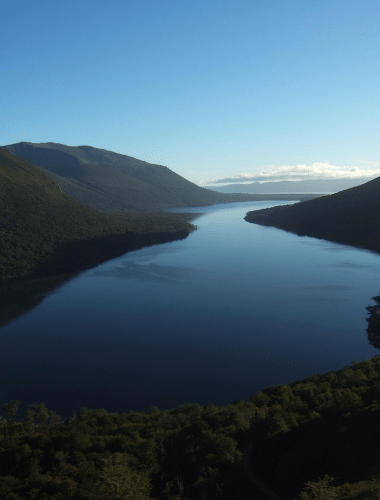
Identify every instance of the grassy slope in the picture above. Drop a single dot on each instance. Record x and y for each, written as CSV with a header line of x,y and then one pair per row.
x,y
350,217
43,231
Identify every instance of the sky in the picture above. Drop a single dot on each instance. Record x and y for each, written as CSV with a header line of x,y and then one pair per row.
x,y
218,91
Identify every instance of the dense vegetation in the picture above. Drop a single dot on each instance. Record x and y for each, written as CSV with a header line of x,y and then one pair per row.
x,y
43,231
320,430
46,232
349,217
115,183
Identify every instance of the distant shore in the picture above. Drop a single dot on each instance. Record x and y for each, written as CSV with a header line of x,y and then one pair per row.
x,y
271,197
85,254
288,218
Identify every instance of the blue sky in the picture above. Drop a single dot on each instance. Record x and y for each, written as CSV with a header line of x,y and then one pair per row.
x,y
235,90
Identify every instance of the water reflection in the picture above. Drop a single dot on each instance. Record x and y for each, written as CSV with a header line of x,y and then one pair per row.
x,y
18,297
352,265
215,317
151,272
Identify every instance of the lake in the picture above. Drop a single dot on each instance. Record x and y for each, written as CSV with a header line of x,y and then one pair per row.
x,y
232,309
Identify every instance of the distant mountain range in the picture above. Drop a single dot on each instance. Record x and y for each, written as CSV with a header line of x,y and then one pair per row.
x,y
318,186
350,217
111,182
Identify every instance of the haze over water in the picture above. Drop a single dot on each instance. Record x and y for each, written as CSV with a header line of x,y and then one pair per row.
x,y
230,310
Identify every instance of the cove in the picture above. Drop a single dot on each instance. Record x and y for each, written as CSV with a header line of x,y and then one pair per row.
x,y
233,308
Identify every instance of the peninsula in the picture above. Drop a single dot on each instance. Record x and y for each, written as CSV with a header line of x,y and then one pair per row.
x,y
350,217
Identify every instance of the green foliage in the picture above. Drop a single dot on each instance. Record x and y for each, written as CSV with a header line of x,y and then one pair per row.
x,y
117,480
373,323
303,435
347,217
43,231
110,182
325,490
10,409
319,490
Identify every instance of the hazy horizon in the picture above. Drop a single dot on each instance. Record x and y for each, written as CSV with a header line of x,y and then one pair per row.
x,y
316,172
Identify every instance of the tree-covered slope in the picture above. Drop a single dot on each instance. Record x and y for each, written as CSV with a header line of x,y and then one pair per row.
x,y
44,231
351,216
112,182
311,439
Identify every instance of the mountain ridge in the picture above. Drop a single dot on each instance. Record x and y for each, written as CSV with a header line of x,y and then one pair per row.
x,y
44,232
115,183
349,217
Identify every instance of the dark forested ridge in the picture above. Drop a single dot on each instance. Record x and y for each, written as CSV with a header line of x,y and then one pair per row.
x,y
112,182
45,232
350,217
116,183
314,439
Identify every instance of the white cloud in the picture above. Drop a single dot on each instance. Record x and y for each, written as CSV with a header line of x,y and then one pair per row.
x,y
370,170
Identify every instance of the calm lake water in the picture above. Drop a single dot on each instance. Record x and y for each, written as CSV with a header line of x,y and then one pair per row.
x,y
230,310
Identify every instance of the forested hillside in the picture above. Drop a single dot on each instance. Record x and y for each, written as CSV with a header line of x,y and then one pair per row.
x,y
350,217
43,231
116,183
317,438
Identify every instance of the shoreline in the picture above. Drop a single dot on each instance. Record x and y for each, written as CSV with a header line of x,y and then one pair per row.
x,y
81,255
267,220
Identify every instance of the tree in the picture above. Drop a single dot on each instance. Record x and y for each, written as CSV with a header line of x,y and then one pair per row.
x,y
117,480
43,414
319,490
373,320
10,409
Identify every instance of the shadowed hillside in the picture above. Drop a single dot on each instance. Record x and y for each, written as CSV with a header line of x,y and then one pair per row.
x,y
44,232
350,217
112,182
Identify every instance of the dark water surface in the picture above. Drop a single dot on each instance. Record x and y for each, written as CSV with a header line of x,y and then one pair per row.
x,y
233,308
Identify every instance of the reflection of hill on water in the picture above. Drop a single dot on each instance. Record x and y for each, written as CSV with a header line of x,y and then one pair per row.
x,y
17,298
350,217
45,232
